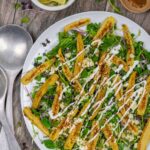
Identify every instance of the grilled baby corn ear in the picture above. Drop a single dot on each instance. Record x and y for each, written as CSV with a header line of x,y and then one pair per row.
x,y
80,53
144,101
29,76
43,89
129,41
145,137
91,144
35,120
73,135
110,137
75,24
105,27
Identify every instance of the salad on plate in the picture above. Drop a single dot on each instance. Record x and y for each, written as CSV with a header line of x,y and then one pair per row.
x,y
91,91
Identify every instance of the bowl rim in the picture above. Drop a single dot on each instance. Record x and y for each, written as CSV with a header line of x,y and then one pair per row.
x,y
53,8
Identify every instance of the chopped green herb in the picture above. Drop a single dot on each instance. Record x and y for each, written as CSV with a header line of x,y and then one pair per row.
x,y
25,20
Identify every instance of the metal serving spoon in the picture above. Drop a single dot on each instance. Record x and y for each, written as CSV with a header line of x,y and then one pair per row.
x,y
15,43
13,145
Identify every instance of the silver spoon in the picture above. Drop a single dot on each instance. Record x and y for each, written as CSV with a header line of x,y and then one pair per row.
x,y
15,43
13,145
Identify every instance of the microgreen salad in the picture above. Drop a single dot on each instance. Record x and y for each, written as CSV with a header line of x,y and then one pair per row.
x,y
92,89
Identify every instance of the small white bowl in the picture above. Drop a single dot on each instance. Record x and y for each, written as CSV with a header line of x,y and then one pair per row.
x,y
53,8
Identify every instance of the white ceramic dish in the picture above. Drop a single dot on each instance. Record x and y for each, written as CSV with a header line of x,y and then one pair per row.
x,y
53,8
52,34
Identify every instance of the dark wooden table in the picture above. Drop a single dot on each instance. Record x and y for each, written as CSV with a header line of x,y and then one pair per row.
x,y
39,21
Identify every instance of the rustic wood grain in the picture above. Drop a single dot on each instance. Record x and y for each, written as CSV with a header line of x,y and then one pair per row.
x,y
7,11
39,21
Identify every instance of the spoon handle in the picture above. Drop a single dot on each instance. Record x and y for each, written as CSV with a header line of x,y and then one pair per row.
x,y
9,104
12,142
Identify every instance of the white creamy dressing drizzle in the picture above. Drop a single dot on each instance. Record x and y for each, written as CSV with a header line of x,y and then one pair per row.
x,y
94,83
113,52
97,42
61,94
92,100
118,83
65,88
78,120
135,94
148,66
119,68
143,92
87,80
60,113
131,70
81,144
69,61
118,89
101,115
125,126
97,104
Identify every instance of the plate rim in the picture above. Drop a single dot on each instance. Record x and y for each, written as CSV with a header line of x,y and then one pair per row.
x,y
30,57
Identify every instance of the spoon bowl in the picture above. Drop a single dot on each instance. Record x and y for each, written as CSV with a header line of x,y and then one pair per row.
x,y
15,43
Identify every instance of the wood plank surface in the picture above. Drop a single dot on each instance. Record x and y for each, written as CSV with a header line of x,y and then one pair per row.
x,y
7,11
39,21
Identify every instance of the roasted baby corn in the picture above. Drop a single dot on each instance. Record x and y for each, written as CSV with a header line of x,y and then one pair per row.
x,y
106,26
75,24
30,75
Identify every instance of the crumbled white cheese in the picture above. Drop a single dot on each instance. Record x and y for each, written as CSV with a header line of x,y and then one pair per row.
x,y
134,105
115,50
136,122
148,66
97,42
131,56
52,69
130,137
109,83
43,80
68,55
114,68
123,135
126,84
81,144
131,116
87,62
62,106
135,145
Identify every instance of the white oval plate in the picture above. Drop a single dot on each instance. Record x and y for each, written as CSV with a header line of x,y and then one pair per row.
x,y
52,34
53,8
